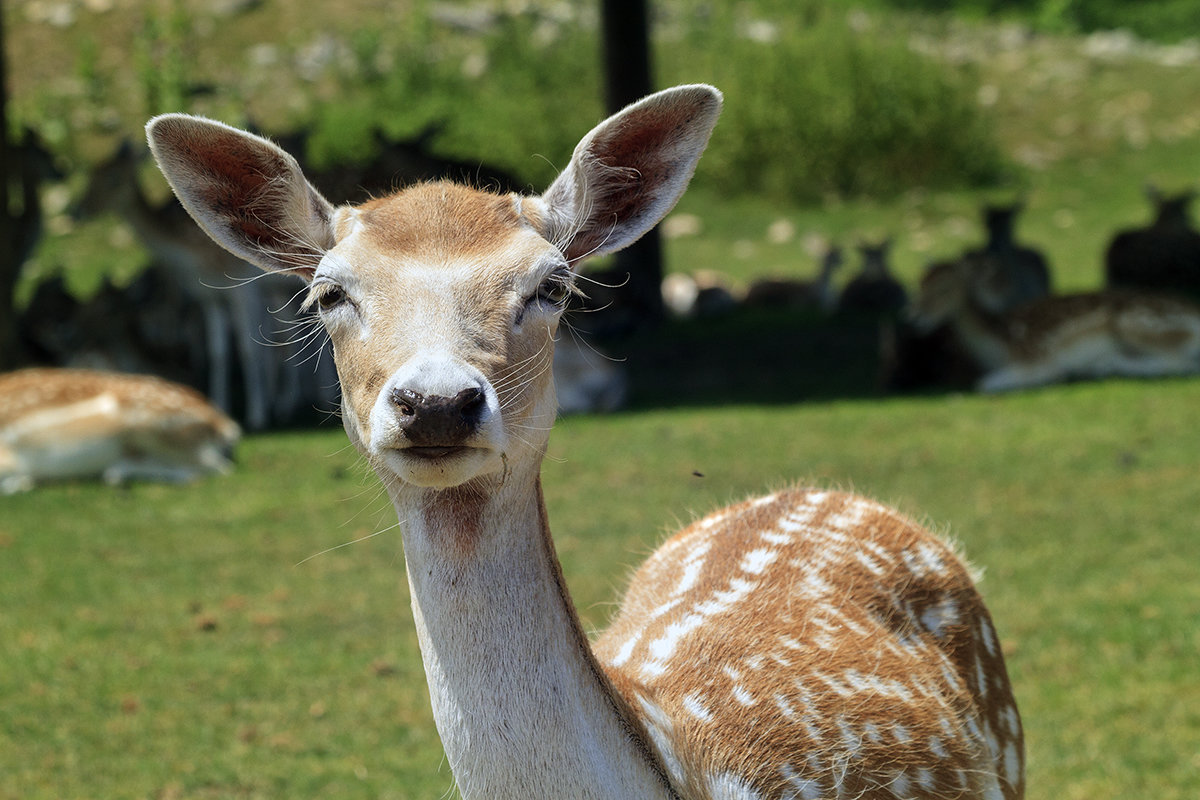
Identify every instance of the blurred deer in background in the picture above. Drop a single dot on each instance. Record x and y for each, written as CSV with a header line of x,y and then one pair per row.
x,y
804,644
1016,274
818,294
1164,256
874,291
58,424
1061,337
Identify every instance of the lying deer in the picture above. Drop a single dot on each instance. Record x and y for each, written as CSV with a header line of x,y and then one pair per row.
x,y
1019,274
804,644
1060,337
1163,256
58,424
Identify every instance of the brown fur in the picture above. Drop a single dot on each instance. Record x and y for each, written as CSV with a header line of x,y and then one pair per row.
x,y
779,637
430,219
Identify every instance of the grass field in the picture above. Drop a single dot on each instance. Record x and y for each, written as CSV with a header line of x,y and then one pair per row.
x,y
205,642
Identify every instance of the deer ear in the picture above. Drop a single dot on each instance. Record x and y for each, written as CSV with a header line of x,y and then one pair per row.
x,y
629,171
245,192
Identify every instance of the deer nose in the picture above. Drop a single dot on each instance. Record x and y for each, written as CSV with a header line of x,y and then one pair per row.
x,y
437,421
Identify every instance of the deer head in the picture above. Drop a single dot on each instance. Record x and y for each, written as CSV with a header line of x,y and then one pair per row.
x,y
441,301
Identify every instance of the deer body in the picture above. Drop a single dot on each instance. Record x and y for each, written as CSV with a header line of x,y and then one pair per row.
x,y
69,423
818,294
1064,337
1018,274
874,290
442,304
1164,256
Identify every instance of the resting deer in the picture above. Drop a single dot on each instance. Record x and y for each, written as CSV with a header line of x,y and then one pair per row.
x,y
804,644
874,290
58,424
1061,337
817,294
1018,274
1163,256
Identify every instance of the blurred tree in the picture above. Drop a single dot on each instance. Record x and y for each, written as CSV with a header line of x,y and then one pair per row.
x,y
10,253
627,72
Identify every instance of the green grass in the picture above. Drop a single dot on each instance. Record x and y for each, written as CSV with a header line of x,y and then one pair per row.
x,y
190,641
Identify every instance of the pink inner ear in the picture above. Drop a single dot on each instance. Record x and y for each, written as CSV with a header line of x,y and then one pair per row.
x,y
238,185
648,164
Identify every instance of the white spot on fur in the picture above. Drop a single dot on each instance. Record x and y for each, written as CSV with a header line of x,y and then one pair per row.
x,y
939,616
742,696
1012,722
873,566
694,705
758,560
800,788
665,608
925,560
728,786
692,567
623,655
937,748
766,500
771,537
851,741
1012,764
925,779
989,637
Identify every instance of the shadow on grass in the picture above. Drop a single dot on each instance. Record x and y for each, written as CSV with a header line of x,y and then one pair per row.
x,y
755,357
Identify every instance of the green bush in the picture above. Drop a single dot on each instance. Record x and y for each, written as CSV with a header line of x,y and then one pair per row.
x,y
824,109
1165,20
519,96
820,110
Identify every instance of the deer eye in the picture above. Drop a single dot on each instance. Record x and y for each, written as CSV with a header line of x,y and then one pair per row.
x,y
555,290
326,296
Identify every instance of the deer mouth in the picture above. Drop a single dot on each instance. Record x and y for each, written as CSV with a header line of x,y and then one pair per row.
x,y
439,466
434,452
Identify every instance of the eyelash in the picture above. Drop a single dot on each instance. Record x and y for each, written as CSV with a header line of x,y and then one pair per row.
x,y
326,296
555,291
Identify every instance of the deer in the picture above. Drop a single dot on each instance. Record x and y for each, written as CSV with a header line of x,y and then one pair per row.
x,y
807,643
1058,338
1163,256
817,294
61,424
1017,274
874,291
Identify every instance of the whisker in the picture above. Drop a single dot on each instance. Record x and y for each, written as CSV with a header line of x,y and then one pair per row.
x,y
353,541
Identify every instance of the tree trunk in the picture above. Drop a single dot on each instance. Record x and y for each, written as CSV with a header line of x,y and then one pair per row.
x,y
10,255
627,70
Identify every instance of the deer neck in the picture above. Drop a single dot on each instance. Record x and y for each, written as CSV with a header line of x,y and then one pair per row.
x,y
521,704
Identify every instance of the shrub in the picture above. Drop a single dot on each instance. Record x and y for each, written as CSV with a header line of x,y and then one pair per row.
x,y
825,109
822,109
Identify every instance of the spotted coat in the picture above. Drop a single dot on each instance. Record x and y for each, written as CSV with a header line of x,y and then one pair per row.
x,y
816,645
